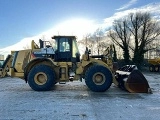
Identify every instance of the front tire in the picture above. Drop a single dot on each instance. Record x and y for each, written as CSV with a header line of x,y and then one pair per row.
x,y
41,78
98,78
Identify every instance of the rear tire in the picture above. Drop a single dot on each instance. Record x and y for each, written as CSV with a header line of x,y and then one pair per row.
x,y
41,78
98,78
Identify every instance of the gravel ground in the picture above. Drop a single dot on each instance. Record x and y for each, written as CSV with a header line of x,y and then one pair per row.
x,y
74,101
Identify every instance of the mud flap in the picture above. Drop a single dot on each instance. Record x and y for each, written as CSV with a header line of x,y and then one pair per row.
x,y
137,83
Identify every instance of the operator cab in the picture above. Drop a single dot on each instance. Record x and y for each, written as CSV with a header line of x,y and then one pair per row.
x,y
66,49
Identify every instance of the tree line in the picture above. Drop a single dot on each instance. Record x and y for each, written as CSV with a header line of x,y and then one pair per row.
x,y
134,34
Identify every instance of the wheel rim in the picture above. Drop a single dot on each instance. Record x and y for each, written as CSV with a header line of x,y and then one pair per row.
x,y
40,78
151,68
99,78
156,68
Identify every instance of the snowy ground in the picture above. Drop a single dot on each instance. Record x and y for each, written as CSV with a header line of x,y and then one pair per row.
x,y
74,101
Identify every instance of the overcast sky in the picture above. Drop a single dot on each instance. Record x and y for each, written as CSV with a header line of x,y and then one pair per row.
x,y
20,19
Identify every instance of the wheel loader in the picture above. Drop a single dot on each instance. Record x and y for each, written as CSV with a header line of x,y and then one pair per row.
x,y
43,66
154,64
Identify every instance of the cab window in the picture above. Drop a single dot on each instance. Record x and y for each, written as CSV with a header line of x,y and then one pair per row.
x,y
64,45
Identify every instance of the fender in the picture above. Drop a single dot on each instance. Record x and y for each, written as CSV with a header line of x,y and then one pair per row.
x,y
34,62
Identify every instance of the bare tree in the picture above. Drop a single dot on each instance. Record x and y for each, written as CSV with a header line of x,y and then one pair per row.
x,y
136,32
144,30
102,46
120,35
87,40
114,54
97,37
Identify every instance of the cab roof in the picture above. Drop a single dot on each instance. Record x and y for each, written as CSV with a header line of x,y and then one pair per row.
x,y
58,36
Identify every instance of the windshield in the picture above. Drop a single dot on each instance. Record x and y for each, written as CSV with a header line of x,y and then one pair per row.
x,y
55,46
63,44
67,44
75,49
1,63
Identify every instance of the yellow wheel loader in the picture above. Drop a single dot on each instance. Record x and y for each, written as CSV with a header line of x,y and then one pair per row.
x,y
154,64
43,66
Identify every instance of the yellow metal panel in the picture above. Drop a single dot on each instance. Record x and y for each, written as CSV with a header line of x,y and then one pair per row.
x,y
155,61
22,60
64,70
79,70
16,74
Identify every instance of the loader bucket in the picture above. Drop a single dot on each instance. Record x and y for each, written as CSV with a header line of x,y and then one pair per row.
x,y
133,81
137,83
